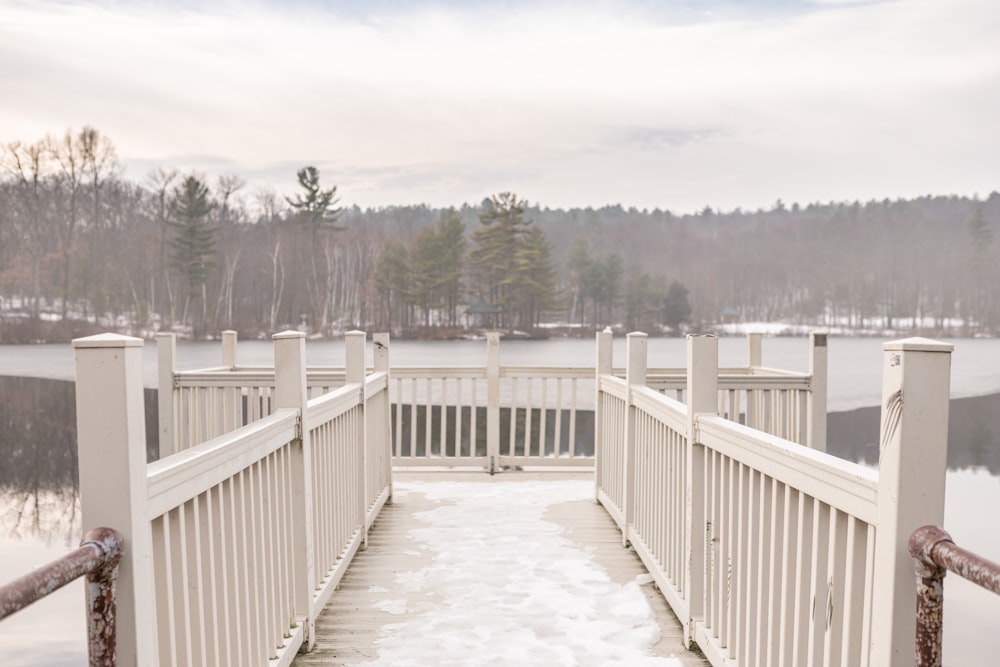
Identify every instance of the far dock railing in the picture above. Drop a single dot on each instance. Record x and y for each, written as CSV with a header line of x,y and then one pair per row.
x,y
489,416
234,544
772,553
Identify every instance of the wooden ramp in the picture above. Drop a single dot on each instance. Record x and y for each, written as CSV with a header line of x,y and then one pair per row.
x,y
449,582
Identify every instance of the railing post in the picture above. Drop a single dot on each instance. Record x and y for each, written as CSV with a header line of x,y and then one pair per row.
x,y
818,391
604,365
229,349
354,373
381,341
635,376
232,397
290,394
111,433
754,357
492,401
912,463
166,366
703,399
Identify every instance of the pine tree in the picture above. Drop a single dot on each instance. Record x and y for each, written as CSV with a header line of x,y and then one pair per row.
x,y
392,275
436,266
315,207
537,281
451,235
193,244
676,309
495,259
512,261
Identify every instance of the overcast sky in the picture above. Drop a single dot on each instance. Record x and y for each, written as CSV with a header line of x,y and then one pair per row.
x,y
674,104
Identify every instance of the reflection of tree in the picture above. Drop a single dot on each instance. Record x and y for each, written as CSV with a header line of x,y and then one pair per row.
x,y
972,425
39,494
53,516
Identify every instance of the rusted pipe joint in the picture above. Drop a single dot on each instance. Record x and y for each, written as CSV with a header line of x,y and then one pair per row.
x,y
922,544
110,544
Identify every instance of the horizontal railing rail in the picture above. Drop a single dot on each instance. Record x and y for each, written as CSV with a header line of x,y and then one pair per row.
x,y
934,555
96,559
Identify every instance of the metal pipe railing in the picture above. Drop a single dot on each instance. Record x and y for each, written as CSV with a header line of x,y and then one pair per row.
x,y
97,558
934,555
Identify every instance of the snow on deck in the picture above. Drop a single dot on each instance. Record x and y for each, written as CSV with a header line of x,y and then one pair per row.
x,y
467,569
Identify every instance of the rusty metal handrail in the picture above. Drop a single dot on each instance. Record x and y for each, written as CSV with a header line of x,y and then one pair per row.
x,y
97,558
934,555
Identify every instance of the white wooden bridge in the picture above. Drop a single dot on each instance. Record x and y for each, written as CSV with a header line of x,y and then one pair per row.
x,y
245,543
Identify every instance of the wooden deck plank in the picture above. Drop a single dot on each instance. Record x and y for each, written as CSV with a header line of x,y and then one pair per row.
x,y
348,628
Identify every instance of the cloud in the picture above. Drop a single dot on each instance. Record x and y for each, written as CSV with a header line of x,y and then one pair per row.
x,y
580,104
657,139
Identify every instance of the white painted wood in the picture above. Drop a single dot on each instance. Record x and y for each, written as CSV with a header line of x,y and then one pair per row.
x,y
232,397
229,349
754,358
635,376
818,391
847,486
492,400
166,364
604,366
354,356
703,398
354,365
912,461
111,432
290,394
173,481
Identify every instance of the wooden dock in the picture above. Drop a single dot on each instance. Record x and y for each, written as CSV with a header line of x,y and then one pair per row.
x,y
377,602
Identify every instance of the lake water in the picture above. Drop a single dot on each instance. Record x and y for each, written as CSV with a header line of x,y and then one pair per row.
x,y
39,508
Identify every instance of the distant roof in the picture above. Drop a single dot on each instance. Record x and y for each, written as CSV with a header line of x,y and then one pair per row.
x,y
483,308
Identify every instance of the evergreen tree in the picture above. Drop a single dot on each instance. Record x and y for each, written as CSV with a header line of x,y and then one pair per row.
x,y
315,207
193,243
451,235
676,309
313,249
392,275
538,276
425,272
494,259
510,260
580,266
642,302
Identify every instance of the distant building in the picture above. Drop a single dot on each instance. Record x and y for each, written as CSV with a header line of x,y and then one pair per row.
x,y
482,315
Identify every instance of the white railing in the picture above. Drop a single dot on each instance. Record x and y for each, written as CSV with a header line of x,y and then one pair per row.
x,y
235,544
772,553
784,403
488,416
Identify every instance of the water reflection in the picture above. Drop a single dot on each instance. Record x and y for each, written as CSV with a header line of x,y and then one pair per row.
x,y
39,493
973,427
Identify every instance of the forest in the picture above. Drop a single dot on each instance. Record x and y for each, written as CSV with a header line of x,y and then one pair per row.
x,y
83,248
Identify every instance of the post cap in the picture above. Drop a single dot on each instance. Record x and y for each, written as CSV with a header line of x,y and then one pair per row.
x,y
106,340
288,334
917,344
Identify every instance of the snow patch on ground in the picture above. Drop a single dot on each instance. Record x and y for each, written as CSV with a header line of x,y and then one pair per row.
x,y
392,606
506,587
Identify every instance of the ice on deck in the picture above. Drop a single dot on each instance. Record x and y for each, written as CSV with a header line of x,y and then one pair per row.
x,y
497,571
